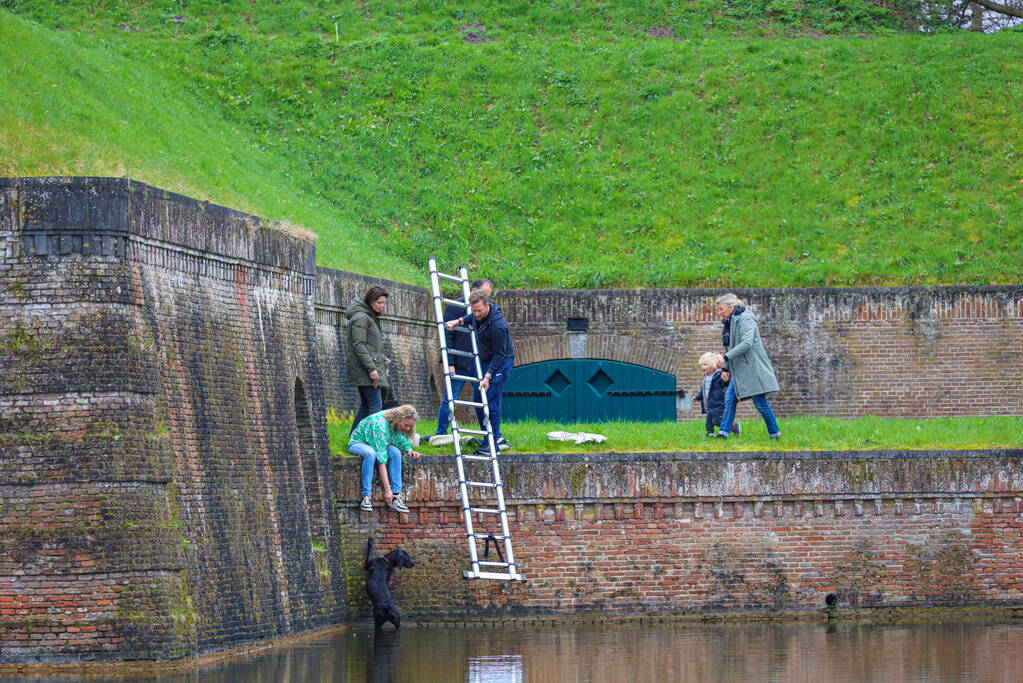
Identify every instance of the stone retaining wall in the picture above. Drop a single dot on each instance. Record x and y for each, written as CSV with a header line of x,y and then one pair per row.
x,y
164,476
709,533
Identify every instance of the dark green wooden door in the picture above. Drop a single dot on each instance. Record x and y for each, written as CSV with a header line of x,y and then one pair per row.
x,y
587,390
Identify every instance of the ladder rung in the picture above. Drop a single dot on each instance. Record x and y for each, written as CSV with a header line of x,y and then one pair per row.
x,y
510,576
462,430
499,569
486,536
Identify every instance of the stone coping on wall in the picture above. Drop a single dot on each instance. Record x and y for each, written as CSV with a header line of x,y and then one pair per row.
x,y
64,216
336,289
714,476
726,456
740,291
890,305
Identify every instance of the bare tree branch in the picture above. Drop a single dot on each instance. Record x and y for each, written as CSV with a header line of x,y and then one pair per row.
x,y
1001,9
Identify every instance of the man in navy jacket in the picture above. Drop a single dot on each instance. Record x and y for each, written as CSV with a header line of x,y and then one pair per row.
x,y
497,356
460,365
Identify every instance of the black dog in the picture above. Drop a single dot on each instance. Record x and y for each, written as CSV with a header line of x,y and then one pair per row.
x,y
378,576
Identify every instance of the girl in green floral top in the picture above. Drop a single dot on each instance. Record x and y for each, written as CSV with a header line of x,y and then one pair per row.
x,y
379,440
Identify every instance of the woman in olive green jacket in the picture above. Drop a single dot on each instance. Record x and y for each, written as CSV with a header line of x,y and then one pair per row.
x,y
752,373
364,351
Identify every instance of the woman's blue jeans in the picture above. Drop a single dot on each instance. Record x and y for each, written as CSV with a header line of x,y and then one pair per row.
x,y
369,463
760,401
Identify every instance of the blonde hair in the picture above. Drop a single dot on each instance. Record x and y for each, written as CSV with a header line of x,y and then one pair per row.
x,y
729,300
710,358
401,413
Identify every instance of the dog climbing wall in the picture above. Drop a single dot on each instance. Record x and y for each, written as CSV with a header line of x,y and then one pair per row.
x,y
164,479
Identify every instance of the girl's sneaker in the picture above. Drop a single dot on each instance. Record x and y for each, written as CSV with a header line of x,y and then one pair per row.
x,y
367,503
398,505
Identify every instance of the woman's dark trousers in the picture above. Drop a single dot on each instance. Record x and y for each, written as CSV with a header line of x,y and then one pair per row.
x,y
369,402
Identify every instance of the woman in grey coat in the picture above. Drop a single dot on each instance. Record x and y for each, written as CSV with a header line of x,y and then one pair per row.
x,y
752,374
364,351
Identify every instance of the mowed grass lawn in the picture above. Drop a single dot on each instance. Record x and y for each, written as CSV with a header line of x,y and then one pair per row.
x,y
798,434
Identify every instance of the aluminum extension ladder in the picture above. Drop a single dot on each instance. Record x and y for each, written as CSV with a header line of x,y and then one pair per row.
x,y
487,499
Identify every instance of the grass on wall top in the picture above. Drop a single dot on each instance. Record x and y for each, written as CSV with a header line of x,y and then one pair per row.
x,y
623,144
799,433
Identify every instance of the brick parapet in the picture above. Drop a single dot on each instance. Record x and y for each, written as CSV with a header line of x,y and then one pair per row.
x,y
657,534
841,352
68,210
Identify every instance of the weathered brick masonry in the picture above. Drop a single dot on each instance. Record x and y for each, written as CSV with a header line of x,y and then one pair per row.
x,y
164,474
166,490
647,534
841,352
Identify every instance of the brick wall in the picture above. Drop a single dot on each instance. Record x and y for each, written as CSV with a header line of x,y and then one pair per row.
x,y
646,534
165,486
840,352
164,477
410,339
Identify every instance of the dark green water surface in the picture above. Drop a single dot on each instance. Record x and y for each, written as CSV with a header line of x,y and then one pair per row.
x,y
636,653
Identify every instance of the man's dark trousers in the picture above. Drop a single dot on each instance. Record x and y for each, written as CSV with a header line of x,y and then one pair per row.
x,y
494,392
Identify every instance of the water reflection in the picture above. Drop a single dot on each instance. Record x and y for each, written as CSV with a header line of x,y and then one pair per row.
x,y
635,652
491,668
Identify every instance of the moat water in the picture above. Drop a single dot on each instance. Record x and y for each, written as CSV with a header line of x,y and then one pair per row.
x,y
634,653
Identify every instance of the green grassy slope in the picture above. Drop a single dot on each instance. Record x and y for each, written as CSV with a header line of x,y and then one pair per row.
x,y
575,150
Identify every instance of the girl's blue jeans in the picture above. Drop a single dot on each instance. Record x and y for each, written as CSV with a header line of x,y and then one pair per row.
x,y
760,401
369,463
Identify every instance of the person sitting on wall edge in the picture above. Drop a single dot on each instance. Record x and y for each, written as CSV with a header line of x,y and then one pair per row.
x,y
379,440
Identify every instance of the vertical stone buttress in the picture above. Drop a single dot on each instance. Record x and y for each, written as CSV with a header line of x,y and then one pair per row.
x,y
164,479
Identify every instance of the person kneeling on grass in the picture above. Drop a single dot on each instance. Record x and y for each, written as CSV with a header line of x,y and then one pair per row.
x,y
379,440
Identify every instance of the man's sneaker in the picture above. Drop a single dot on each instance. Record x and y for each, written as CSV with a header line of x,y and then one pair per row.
x,y
736,428
776,435
710,435
398,505
722,435
367,503
482,450
502,444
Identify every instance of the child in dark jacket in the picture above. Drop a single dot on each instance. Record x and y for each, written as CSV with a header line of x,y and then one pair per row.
x,y
712,392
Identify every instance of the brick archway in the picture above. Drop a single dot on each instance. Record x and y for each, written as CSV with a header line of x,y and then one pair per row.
x,y
535,349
